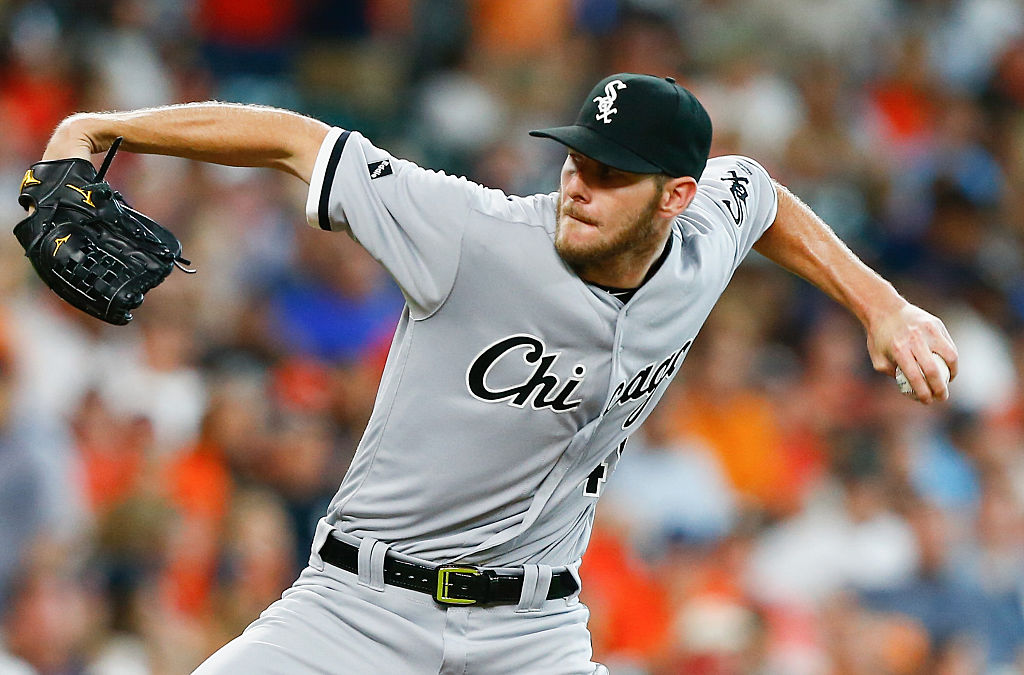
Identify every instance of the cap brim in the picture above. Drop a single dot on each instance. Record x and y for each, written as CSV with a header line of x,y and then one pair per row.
x,y
588,142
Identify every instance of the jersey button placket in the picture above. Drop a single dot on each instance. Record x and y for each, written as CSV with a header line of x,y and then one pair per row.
x,y
616,355
620,331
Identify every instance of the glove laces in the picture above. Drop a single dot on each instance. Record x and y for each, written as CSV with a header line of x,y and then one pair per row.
x,y
102,189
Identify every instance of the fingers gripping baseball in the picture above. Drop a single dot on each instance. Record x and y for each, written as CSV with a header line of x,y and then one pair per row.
x,y
907,338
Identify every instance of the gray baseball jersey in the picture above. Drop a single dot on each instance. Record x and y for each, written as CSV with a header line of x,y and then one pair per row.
x,y
512,385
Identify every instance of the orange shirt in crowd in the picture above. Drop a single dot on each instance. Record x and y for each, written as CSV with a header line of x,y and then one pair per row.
x,y
629,611
199,486
743,433
520,26
199,483
112,473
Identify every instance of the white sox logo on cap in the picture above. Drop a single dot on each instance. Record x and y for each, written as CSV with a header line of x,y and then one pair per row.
x,y
605,103
663,127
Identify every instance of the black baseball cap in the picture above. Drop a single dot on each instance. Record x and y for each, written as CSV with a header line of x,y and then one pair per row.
x,y
642,124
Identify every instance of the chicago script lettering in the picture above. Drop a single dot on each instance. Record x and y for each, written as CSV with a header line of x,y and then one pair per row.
x,y
643,385
542,389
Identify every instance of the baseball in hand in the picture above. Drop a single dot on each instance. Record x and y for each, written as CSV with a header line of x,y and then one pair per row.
x,y
904,385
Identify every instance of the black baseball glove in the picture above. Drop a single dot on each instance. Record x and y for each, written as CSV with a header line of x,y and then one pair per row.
x,y
87,244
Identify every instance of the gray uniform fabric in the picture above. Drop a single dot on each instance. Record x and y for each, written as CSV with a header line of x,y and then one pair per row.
x,y
331,621
510,380
508,395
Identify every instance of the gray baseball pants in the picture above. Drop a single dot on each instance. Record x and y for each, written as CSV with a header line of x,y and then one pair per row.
x,y
333,621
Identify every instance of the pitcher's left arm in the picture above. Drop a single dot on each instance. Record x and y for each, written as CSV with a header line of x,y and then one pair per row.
x,y
898,332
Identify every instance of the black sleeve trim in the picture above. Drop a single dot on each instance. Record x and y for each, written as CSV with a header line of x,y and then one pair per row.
x,y
325,187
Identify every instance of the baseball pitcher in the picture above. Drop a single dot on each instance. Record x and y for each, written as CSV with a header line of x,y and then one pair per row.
x,y
538,334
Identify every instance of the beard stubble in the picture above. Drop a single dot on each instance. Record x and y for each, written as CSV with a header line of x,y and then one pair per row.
x,y
639,235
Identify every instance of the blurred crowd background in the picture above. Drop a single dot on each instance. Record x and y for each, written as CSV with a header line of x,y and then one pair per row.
x,y
785,511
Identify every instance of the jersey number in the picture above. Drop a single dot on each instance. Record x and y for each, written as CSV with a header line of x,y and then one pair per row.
x,y
598,477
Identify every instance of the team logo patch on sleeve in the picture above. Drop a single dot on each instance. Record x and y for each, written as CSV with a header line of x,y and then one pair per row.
x,y
378,169
737,206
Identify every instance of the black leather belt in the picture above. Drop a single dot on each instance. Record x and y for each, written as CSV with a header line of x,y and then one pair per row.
x,y
447,584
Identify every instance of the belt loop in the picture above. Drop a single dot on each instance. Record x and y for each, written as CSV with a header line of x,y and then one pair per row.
x,y
377,565
371,563
530,574
536,582
323,530
540,595
574,570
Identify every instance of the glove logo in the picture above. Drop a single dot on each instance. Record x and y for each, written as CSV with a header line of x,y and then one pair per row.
x,y
86,196
60,242
28,180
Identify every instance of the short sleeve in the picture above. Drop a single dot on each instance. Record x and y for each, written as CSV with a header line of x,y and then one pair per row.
x,y
409,219
745,196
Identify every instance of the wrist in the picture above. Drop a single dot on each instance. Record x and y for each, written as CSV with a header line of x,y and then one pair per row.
x,y
77,136
880,305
